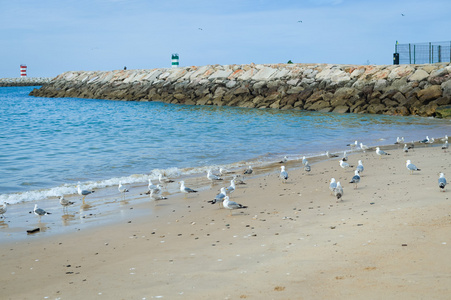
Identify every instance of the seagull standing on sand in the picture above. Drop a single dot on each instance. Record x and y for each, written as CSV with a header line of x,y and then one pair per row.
x,y
283,174
65,203
219,197
162,179
330,155
307,168
405,149
411,167
40,212
332,185
442,182
223,171
185,189
304,160
445,139
359,167
122,189
345,156
425,140
83,193
344,164
339,192
248,171
364,147
445,146
3,209
231,204
284,160
212,177
232,187
352,145
355,179
155,196
381,152
152,187
399,140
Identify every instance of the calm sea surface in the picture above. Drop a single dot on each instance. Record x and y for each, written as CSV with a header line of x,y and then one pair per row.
x,y
47,145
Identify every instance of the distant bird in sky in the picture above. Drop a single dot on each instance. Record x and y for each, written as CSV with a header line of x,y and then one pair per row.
x,y
200,28
300,21
403,15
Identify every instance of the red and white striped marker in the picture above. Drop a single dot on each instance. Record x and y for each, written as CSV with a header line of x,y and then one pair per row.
x,y
23,70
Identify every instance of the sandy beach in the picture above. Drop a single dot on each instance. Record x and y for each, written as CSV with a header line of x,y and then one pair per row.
x,y
388,239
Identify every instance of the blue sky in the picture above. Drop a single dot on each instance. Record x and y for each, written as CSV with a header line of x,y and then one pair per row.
x,y
52,37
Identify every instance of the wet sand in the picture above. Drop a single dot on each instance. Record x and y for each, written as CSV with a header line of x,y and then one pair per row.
x,y
388,239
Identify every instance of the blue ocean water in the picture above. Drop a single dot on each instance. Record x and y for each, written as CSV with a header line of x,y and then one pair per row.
x,y
47,145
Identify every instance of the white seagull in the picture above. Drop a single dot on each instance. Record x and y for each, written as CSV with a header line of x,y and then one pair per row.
x,y
304,160
345,156
3,209
248,171
212,177
381,152
332,185
426,140
155,196
232,187
359,167
364,147
442,182
162,179
339,192
231,204
122,189
445,146
355,179
185,189
411,167
307,168
40,212
283,174
399,140
219,197
353,145
83,193
330,155
65,203
405,149
344,164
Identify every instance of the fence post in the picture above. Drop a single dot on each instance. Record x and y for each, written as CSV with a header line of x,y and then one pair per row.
x,y
410,55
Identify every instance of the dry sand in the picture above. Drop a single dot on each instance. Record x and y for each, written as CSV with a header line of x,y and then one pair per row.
x,y
388,239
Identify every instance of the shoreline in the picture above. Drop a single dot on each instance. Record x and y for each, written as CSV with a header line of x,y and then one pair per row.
x,y
102,208
387,239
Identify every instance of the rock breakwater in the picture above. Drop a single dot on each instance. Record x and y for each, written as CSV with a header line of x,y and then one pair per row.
x,y
422,90
24,81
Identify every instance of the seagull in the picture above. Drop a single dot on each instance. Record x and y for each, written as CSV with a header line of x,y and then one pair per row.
x,y
122,189
299,21
283,174
352,145
364,147
152,187
285,159
231,204
399,140
3,209
445,146
381,152
200,28
345,156
65,203
212,177
248,171
359,167
445,139
238,180
185,189
83,193
223,171
344,164
40,212
405,149
356,178
430,141
339,192
425,140
402,15
162,179
442,182
304,160
330,155
219,197
411,167
307,167
232,187
155,196
332,185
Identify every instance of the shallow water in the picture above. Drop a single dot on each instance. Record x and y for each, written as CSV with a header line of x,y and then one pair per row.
x,y
47,145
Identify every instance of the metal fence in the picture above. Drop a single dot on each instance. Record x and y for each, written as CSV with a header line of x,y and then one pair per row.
x,y
424,53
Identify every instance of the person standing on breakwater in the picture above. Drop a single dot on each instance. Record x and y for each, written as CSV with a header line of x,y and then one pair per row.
x,y
125,68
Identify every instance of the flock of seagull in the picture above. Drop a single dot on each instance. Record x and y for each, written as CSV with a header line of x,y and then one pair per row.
x,y
223,197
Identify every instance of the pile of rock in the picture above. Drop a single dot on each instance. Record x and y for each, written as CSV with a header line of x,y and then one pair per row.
x,y
24,81
386,89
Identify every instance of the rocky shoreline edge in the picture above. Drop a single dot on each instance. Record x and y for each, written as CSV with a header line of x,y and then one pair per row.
x,y
423,90
24,81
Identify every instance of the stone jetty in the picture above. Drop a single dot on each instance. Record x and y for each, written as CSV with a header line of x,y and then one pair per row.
x,y
423,90
24,81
